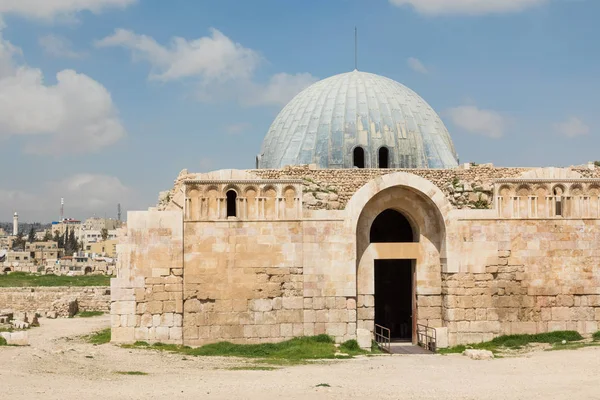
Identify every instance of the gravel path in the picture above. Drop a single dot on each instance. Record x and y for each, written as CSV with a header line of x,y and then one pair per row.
x,y
59,365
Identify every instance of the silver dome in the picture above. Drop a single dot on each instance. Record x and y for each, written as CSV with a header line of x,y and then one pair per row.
x,y
326,122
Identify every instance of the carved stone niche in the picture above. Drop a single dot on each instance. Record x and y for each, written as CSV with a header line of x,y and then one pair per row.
x,y
242,200
539,197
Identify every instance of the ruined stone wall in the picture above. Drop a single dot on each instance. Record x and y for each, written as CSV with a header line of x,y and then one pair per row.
x,y
544,277
332,188
26,299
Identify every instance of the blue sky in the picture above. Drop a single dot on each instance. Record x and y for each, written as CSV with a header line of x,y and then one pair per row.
x,y
515,81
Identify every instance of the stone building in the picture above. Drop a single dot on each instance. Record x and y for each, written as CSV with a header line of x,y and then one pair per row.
x,y
358,216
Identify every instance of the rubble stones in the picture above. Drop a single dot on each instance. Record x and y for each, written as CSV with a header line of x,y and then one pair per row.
x,y
66,307
478,354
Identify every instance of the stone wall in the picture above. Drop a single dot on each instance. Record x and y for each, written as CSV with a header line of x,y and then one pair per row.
x,y
331,189
147,291
93,298
543,277
263,281
478,274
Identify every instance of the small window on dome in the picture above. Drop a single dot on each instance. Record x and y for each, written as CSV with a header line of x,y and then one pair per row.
x,y
359,157
384,157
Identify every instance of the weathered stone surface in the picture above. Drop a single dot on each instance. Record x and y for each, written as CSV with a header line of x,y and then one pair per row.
x,y
16,338
478,354
66,307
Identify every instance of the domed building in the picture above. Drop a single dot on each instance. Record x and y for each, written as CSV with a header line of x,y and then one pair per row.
x,y
361,120
359,223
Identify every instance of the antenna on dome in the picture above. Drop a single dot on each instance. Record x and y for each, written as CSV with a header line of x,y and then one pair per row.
x,y
356,48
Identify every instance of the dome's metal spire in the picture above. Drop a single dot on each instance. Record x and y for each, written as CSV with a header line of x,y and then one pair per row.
x,y
355,48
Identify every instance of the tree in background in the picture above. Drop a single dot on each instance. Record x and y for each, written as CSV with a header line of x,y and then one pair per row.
x,y
73,242
47,237
19,242
65,241
104,234
59,240
31,237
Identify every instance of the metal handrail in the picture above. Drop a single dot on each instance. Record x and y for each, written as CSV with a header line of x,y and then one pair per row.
x,y
426,337
383,337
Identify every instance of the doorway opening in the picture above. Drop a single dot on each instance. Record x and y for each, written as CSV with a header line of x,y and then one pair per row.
x,y
394,298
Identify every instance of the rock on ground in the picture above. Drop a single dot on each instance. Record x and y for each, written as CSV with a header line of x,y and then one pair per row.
x,y
478,354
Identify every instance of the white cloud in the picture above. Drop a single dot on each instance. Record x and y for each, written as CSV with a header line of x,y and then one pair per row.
x,y
481,122
280,89
74,115
236,129
416,65
212,58
572,127
85,195
468,7
91,192
49,9
222,68
58,46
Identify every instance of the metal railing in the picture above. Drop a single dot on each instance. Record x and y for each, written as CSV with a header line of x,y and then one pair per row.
x,y
426,337
383,337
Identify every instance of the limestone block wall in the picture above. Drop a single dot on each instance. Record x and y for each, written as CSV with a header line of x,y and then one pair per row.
x,y
243,281
329,259
543,276
93,298
257,281
148,290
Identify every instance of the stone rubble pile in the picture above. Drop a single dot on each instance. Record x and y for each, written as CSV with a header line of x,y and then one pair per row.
x,y
14,320
65,307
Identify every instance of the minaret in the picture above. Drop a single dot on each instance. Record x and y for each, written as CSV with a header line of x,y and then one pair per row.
x,y
15,224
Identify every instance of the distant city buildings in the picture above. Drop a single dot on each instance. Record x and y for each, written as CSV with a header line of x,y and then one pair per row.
x,y
95,250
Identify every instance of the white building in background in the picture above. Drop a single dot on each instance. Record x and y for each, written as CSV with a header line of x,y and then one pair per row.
x,y
97,224
15,224
95,236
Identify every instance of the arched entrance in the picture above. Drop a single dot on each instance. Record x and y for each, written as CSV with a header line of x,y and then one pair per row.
x,y
400,222
394,278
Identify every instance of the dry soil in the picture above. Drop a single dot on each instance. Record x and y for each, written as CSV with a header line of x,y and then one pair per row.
x,y
60,365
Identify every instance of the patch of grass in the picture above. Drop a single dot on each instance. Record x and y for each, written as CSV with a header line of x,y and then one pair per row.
x,y
89,314
572,346
291,352
453,350
323,385
375,348
11,329
24,279
131,373
3,341
100,337
596,336
252,368
302,348
516,341
352,348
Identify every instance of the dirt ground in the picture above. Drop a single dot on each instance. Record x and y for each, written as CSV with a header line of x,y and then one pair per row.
x,y
60,365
